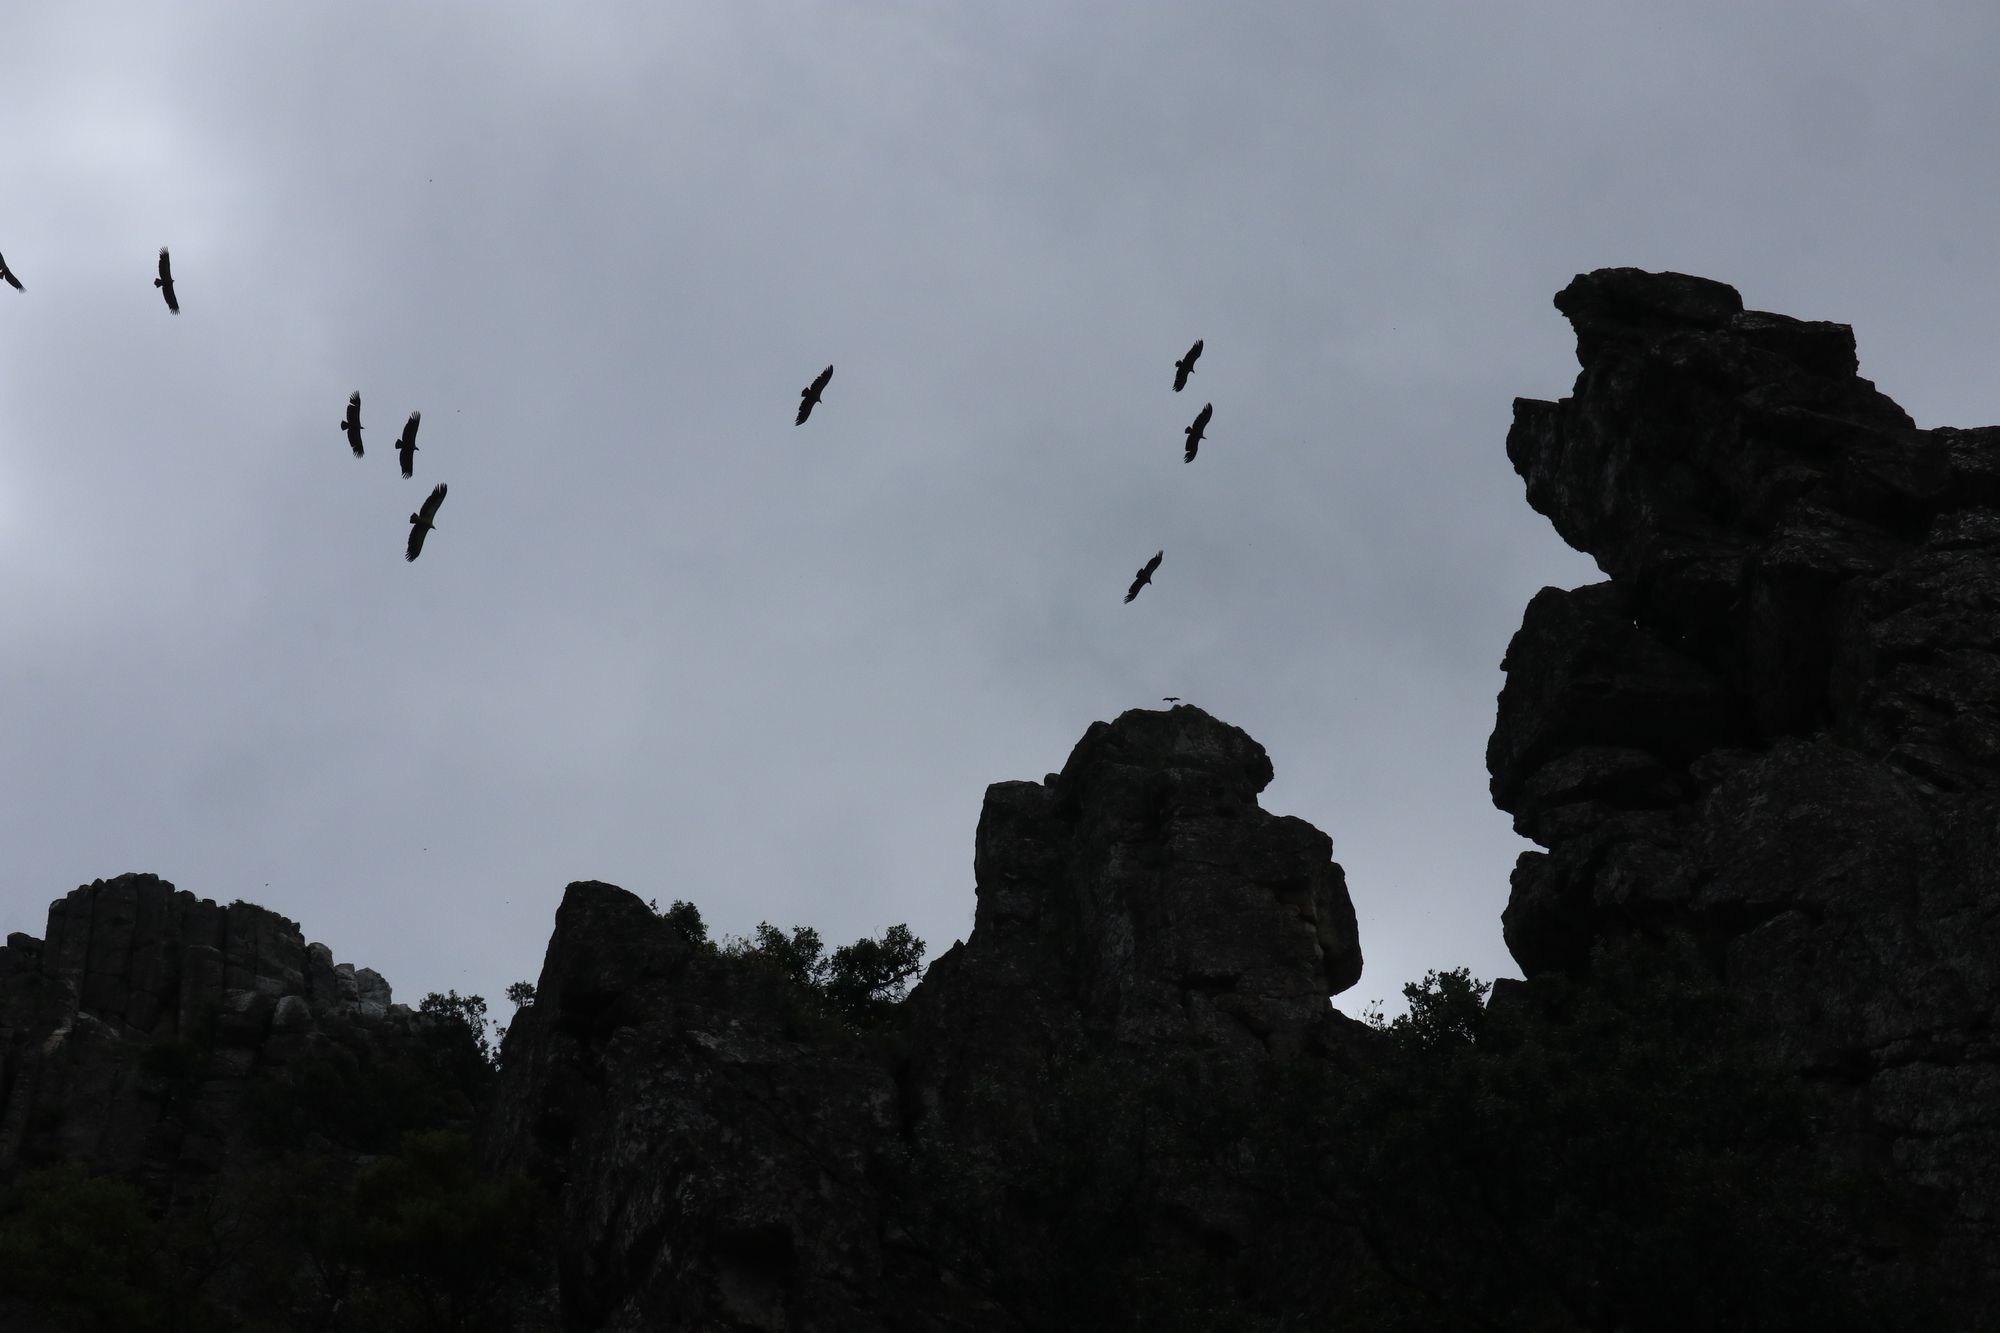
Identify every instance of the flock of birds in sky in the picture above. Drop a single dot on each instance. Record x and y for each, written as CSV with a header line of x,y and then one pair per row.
x,y
809,398
1182,369
425,519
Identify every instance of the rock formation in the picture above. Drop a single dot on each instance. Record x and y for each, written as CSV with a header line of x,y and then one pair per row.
x,y
1777,725
726,1162
131,1033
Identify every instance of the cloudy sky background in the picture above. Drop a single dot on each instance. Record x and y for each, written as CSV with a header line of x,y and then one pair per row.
x,y
663,638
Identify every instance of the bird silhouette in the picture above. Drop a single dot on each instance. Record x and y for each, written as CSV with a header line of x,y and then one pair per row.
x,y
1185,366
1170,698
1145,575
165,282
423,521
1193,432
353,423
407,445
7,275
809,396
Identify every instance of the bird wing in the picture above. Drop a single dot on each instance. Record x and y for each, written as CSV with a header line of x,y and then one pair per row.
x,y
420,522
1193,444
8,274
353,422
1201,417
410,430
809,395
354,407
1144,576
1185,366
165,282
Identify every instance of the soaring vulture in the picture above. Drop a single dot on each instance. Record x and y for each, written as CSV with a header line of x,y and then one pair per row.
x,y
353,423
1145,576
1185,366
1193,432
1170,698
809,396
7,275
422,522
407,445
165,282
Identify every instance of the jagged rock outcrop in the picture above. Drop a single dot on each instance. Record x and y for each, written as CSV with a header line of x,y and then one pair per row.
x,y
1777,726
132,1032
1140,903
724,1161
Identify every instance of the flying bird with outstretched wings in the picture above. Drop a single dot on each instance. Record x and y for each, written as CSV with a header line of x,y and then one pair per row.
x,y
352,425
7,276
1170,698
1185,366
407,445
809,396
423,521
1194,432
1145,575
165,282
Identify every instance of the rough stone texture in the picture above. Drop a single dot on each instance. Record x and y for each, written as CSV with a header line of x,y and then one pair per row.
x,y
721,1161
659,1086
129,965
1778,723
1138,901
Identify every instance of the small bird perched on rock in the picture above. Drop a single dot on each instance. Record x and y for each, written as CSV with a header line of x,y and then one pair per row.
x,y
1145,575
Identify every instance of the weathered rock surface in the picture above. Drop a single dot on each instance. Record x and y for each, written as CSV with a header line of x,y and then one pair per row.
x,y
1778,724
1137,902
131,1033
726,1163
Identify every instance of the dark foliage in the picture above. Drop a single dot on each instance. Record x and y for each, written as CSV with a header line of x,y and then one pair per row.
x,y
353,1092
859,984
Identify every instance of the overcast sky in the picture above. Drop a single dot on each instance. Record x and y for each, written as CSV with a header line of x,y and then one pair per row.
x,y
664,638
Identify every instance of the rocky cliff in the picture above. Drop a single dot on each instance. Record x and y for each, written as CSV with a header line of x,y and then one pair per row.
x,y
1777,725
132,1031
1748,1083
728,1161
